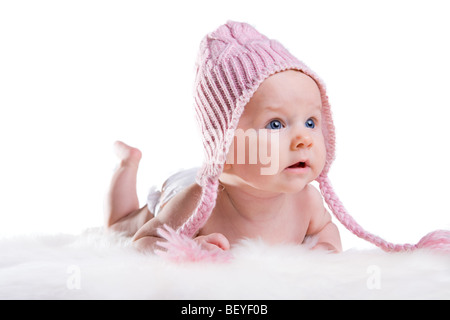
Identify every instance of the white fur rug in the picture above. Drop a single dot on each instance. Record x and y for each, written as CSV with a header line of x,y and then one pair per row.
x,y
94,265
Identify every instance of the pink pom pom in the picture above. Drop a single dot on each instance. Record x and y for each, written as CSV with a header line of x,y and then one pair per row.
x,y
437,240
180,248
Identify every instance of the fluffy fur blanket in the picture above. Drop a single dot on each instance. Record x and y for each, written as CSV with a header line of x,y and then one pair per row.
x,y
94,265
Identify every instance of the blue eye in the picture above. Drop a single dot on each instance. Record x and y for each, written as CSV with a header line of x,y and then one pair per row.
x,y
274,125
310,123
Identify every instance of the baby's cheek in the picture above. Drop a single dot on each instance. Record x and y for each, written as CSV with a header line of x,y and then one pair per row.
x,y
321,156
255,153
244,148
269,146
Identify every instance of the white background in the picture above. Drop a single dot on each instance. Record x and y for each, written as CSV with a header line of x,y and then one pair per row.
x,y
77,75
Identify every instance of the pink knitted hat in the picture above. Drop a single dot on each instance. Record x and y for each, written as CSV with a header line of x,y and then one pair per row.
x,y
232,62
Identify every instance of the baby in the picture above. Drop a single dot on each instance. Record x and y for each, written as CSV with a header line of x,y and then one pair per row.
x,y
279,207
252,99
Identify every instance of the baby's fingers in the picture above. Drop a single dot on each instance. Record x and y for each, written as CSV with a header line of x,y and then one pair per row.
x,y
215,239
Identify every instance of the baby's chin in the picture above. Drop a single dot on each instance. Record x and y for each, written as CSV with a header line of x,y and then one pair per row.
x,y
291,187
272,184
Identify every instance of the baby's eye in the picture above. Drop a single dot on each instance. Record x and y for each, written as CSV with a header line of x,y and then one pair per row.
x,y
310,123
274,125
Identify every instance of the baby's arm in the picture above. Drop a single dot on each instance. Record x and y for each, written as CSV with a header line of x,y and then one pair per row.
x,y
322,227
174,214
148,238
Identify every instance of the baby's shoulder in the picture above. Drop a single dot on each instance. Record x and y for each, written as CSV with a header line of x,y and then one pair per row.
x,y
309,199
310,194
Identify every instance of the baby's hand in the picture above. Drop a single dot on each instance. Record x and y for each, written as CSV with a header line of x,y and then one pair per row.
x,y
213,241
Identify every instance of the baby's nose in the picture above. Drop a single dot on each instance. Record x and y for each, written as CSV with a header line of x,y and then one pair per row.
x,y
301,141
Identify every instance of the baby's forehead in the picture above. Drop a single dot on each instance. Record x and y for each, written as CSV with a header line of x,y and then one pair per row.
x,y
287,88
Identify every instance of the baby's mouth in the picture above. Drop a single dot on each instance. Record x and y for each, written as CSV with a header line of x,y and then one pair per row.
x,y
300,164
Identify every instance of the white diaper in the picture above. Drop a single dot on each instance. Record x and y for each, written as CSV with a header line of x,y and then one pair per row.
x,y
174,184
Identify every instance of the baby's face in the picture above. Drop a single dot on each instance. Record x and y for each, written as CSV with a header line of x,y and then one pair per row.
x,y
279,145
